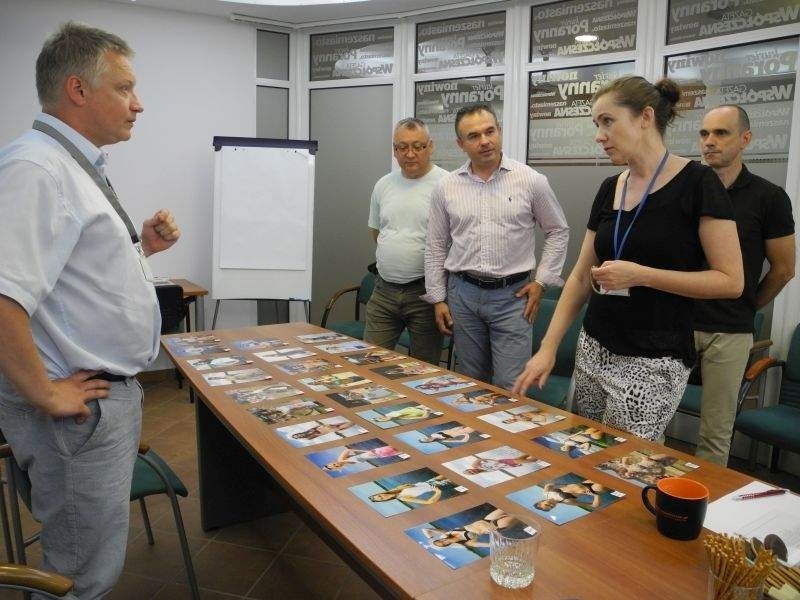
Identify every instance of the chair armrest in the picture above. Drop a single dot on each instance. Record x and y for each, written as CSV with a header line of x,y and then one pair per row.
x,y
760,366
333,299
34,579
143,448
760,346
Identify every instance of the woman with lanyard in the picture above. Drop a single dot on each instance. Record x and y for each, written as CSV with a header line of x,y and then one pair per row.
x,y
659,234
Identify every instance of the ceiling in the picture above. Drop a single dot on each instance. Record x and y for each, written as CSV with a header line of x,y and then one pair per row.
x,y
295,15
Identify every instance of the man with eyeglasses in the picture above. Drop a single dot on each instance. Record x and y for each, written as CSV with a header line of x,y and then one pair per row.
x,y
398,220
479,255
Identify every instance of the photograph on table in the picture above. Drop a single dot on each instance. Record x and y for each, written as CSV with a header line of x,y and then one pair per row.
x,y
442,383
520,418
356,457
281,412
371,357
646,467
463,538
282,354
397,415
343,347
366,395
565,498
406,369
319,432
258,344
475,400
318,338
404,492
264,393
218,362
578,441
331,381
441,437
307,366
182,350
496,466
192,340
235,376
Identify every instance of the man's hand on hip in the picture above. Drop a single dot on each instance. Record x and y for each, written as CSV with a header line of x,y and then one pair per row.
x,y
68,397
534,293
444,321
159,232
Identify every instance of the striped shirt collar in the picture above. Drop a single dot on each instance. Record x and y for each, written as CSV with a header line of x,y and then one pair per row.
x,y
505,165
94,154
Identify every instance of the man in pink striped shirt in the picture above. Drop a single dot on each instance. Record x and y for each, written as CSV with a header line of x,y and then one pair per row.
x,y
479,252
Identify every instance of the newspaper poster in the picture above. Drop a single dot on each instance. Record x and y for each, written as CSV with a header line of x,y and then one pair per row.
x,y
352,54
474,41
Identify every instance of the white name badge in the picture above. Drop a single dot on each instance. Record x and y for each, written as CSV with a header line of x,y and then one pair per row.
x,y
146,271
621,292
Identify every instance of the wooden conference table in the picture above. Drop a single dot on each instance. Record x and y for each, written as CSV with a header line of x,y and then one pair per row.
x,y
247,471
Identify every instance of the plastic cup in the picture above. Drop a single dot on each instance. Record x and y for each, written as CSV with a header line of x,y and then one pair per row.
x,y
719,589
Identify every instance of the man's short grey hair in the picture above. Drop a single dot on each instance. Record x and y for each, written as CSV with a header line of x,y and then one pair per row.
x,y
74,49
411,123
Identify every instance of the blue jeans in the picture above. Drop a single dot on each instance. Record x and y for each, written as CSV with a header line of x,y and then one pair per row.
x,y
80,482
493,341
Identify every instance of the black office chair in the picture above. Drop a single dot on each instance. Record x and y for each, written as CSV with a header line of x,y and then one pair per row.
x,y
174,313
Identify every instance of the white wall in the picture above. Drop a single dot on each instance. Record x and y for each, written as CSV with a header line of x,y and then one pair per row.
x,y
195,78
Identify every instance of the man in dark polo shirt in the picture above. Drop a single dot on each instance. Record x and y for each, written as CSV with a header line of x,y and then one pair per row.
x,y
724,328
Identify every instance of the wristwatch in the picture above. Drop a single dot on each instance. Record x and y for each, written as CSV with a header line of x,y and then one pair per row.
x,y
543,286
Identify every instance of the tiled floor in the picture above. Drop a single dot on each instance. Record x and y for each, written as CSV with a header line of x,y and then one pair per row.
x,y
275,557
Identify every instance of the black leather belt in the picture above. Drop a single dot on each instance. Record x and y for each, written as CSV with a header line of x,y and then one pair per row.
x,y
105,376
493,283
407,284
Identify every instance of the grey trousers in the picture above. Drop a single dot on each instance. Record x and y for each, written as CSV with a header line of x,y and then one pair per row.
x,y
80,482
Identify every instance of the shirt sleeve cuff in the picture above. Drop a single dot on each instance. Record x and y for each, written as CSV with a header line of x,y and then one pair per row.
x,y
18,295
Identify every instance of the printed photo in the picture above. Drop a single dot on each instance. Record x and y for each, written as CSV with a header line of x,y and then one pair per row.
x,y
366,395
496,466
578,441
319,432
441,437
356,457
283,413
443,383
306,366
258,344
401,493
646,467
218,362
324,383
475,400
463,538
236,376
370,357
192,340
182,350
282,354
405,369
520,418
318,338
263,393
566,498
397,415
343,347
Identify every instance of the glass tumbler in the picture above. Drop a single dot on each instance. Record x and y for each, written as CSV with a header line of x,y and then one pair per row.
x,y
513,555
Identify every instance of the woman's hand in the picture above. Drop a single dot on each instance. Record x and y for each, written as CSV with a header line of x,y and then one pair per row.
x,y
618,275
536,371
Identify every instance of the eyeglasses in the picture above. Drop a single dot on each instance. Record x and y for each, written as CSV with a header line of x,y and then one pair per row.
x,y
415,148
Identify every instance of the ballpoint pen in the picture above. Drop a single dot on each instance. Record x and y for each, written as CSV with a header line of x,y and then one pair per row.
x,y
764,494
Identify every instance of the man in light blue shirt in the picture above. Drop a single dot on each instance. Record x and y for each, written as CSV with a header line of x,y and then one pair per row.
x,y
398,219
78,312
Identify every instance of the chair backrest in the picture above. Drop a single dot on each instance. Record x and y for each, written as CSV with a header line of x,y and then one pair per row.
x,y
172,306
366,288
565,356
758,325
790,386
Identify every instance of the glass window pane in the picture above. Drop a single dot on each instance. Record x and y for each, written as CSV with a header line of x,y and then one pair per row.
x,y
272,55
272,112
692,20
437,102
475,41
352,54
578,28
761,78
559,110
